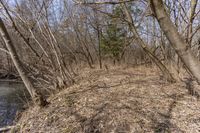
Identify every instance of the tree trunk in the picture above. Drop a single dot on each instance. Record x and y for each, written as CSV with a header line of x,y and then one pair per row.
x,y
167,75
36,96
99,43
192,13
176,40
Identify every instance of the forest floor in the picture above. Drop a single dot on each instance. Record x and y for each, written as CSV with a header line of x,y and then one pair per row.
x,y
118,100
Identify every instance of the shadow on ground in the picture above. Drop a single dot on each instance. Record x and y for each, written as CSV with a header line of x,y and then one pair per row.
x,y
118,101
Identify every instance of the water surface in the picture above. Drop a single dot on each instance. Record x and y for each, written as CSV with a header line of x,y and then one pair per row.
x,y
13,96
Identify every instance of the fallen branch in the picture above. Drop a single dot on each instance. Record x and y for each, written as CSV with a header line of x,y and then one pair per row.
x,y
6,128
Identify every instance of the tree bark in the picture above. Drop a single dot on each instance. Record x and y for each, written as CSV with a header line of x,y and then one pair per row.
x,y
176,40
192,13
36,96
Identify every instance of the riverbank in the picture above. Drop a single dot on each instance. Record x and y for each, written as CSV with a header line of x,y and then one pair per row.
x,y
8,77
11,80
117,100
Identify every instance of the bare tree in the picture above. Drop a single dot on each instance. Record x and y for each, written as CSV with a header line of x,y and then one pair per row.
x,y
176,40
36,96
139,40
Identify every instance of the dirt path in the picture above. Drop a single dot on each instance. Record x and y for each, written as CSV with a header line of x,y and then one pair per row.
x,y
117,101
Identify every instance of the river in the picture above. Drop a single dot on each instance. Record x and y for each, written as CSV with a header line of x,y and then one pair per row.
x,y
12,98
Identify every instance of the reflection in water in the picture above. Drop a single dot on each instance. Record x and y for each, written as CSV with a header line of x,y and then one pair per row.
x,y
12,98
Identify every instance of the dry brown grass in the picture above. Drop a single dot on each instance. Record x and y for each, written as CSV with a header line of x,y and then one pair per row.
x,y
118,100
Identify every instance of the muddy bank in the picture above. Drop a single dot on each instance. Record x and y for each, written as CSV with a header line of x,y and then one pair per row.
x,y
8,76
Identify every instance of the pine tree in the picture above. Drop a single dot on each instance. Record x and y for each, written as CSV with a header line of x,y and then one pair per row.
x,y
113,39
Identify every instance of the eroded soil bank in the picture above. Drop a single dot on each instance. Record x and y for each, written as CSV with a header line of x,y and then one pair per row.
x,y
6,76
119,100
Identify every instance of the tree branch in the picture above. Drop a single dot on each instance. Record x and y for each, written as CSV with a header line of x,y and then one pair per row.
x,y
103,2
4,50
